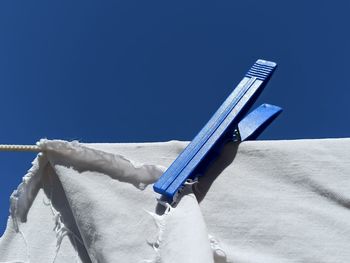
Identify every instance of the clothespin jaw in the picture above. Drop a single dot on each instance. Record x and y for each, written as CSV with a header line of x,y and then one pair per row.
x,y
227,120
257,121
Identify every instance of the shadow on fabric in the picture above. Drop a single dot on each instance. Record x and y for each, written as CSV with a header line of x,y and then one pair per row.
x,y
57,198
225,158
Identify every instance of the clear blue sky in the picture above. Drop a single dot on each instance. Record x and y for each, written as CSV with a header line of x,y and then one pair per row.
x,y
136,71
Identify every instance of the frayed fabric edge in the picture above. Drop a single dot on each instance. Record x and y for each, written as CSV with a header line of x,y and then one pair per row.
x,y
159,220
22,198
218,253
121,168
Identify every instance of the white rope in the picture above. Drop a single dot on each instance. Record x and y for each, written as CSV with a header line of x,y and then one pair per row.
x,y
19,148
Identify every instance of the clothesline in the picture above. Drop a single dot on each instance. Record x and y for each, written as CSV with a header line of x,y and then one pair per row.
x,y
19,148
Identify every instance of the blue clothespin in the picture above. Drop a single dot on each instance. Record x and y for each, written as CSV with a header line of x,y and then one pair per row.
x,y
226,124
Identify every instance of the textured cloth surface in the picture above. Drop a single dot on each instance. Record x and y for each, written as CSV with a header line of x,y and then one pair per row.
x,y
261,201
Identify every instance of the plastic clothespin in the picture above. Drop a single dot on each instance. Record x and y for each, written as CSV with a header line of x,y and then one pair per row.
x,y
225,125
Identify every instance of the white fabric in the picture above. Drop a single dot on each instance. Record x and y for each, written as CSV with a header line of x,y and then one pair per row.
x,y
262,201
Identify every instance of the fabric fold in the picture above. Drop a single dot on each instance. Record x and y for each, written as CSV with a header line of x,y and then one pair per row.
x,y
262,201
183,236
97,204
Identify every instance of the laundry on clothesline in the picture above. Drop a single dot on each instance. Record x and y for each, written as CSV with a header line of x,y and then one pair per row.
x,y
227,124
